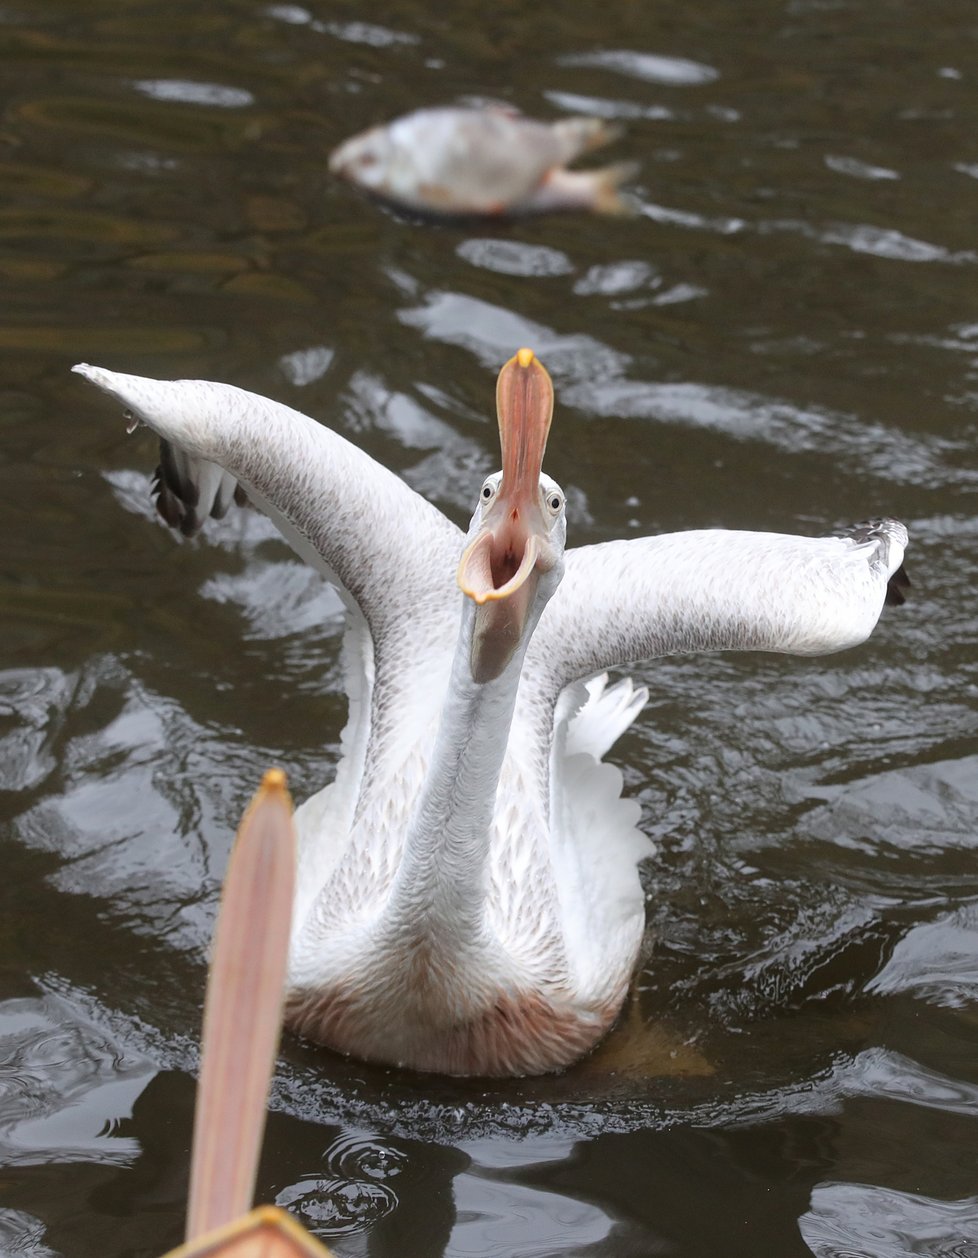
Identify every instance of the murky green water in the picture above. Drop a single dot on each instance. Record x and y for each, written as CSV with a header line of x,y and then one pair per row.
x,y
785,338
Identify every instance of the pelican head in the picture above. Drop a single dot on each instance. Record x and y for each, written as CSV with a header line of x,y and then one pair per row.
x,y
514,558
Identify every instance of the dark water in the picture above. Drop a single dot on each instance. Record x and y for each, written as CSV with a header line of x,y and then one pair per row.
x,y
785,338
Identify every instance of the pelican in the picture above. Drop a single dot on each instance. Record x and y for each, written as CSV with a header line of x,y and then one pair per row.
x,y
468,898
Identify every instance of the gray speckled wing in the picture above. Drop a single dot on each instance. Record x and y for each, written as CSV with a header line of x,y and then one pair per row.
x,y
389,552
717,590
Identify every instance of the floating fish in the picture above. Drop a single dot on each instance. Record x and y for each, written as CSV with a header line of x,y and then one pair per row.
x,y
457,162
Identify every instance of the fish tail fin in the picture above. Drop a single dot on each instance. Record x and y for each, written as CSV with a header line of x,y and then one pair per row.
x,y
597,190
608,197
580,135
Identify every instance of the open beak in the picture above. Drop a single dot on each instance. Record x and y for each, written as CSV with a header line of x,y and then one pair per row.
x,y
500,569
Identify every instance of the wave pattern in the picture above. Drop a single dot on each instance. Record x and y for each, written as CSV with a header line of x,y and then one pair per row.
x,y
783,336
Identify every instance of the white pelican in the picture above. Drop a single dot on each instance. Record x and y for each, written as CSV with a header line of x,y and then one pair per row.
x,y
467,895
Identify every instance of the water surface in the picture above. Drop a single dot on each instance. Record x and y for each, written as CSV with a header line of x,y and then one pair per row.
x,y
784,337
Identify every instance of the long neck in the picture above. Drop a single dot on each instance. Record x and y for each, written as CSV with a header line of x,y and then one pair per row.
x,y
440,887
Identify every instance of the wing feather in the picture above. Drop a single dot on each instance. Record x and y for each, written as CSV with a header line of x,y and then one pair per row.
x,y
385,548
716,590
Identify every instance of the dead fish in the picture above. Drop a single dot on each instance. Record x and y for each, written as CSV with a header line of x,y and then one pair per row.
x,y
456,162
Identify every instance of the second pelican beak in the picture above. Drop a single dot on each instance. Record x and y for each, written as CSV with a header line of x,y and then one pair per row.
x,y
501,567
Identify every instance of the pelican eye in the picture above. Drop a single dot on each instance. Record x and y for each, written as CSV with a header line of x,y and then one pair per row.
x,y
487,491
555,501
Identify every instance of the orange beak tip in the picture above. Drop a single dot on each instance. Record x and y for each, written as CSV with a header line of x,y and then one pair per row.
x,y
477,596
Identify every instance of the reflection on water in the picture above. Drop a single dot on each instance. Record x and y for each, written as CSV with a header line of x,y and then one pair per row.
x,y
65,1087
881,1223
784,337
20,1233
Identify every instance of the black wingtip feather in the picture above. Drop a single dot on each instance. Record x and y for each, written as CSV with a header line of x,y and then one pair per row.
x,y
899,582
176,496
896,588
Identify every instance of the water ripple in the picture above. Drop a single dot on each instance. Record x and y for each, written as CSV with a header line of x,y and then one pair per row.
x,y
605,107
280,600
511,257
337,1207
814,893
936,960
33,703
150,858
612,279
868,1221
21,1233
923,808
188,92
650,67
880,242
497,1218
353,32
879,1072
595,378
358,1155
857,169
368,33
721,225
64,1086
304,366
455,462
589,1106
886,242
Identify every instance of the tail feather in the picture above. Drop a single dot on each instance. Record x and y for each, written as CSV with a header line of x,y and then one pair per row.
x,y
606,714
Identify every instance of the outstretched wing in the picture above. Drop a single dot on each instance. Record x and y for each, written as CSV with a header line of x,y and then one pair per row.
x,y
388,550
714,590
390,554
